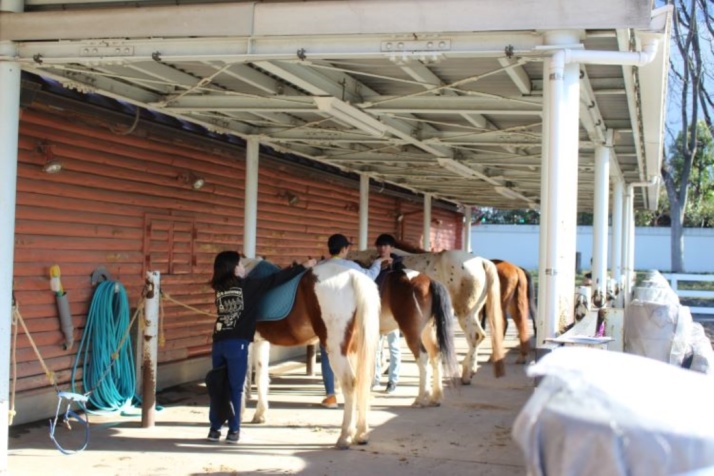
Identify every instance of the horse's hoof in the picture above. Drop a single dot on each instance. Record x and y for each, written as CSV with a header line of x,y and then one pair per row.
x,y
258,419
521,360
434,404
363,441
343,444
465,381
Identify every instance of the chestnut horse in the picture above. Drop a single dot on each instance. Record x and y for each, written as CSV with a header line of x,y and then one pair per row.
x,y
340,307
421,308
518,299
473,283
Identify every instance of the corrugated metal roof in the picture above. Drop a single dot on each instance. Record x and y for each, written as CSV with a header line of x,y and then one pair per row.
x,y
384,103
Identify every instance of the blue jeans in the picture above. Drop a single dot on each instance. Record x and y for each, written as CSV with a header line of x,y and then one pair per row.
x,y
233,353
328,378
395,357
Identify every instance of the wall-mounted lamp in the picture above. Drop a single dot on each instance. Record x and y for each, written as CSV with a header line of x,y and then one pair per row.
x,y
291,198
192,179
52,164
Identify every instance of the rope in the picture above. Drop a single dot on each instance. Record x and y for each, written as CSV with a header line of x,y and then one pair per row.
x,y
15,317
105,351
50,374
187,306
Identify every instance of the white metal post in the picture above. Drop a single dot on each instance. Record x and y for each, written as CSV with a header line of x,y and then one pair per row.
x,y
466,246
618,192
600,213
563,98
627,237
9,129
544,206
150,350
363,211
250,222
426,241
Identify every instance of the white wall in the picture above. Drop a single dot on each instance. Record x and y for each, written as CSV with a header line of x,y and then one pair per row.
x,y
519,244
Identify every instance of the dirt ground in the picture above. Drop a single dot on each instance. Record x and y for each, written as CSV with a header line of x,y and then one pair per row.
x,y
470,434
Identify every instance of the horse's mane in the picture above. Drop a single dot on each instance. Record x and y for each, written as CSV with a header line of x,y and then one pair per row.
x,y
409,248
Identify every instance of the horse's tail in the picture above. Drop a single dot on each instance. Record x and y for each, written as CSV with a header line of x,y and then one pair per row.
x,y
366,337
494,312
443,313
532,311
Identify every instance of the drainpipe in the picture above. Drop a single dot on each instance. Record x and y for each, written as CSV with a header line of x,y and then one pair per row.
x,y
363,211
250,219
559,264
426,241
466,244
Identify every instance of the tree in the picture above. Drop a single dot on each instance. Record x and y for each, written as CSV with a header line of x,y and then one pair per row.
x,y
692,36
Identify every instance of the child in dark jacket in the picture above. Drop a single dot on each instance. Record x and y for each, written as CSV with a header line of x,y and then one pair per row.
x,y
237,298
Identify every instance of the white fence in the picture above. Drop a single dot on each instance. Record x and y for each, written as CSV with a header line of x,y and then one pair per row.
x,y
519,244
676,279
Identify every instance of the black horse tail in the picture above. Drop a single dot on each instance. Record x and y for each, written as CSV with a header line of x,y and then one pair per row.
x,y
443,313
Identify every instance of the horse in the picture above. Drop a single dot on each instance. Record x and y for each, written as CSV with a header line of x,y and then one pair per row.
x,y
472,283
340,307
518,299
421,308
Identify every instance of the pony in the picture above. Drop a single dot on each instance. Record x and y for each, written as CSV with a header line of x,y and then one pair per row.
x,y
472,283
518,299
340,307
421,308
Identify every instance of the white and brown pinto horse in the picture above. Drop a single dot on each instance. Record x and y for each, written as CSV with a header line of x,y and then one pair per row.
x,y
340,307
421,308
473,283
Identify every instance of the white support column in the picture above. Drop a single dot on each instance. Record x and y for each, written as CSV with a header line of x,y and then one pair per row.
x,y
363,211
627,247
618,192
600,229
466,246
563,99
250,220
426,241
150,354
544,206
9,129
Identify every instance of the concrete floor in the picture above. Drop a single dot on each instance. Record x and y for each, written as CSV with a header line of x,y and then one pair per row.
x,y
468,435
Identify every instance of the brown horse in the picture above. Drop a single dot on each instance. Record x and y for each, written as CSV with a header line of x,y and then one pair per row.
x,y
518,299
340,307
472,283
421,308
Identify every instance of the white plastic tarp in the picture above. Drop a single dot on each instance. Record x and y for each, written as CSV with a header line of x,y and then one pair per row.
x,y
608,413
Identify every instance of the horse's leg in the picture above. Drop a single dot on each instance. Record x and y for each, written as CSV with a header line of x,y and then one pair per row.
x,y
423,394
519,312
261,353
437,388
343,372
474,336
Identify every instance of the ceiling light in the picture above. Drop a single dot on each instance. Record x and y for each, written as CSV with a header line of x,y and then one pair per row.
x,y
351,115
458,168
198,182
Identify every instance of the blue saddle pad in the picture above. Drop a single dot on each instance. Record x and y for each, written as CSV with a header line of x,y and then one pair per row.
x,y
276,303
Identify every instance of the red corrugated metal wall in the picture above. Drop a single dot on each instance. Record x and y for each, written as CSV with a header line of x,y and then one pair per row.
x,y
125,202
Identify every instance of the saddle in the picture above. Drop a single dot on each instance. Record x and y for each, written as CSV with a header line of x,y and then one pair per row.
x,y
276,303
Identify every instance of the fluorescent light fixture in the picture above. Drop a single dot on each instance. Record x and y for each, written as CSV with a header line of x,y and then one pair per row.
x,y
351,115
507,192
458,168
